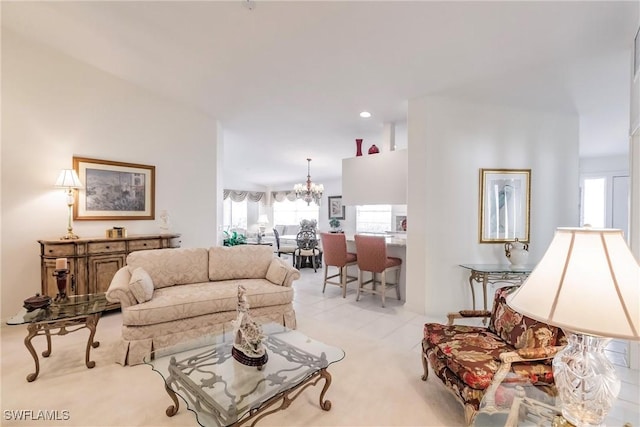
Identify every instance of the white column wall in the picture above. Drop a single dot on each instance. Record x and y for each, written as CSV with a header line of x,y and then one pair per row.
x,y
54,107
449,141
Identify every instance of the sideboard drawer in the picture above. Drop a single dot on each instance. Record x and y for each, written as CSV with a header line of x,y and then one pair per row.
x,y
107,247
138,245
62,250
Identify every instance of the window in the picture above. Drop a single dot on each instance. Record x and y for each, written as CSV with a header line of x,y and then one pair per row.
x,y
235,214
288,212
373,219
593,202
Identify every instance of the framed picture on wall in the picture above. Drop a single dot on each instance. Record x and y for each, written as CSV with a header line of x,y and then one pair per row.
x,y
504,205
114,190
336,210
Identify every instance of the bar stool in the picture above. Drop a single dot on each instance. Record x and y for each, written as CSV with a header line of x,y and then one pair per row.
x,y
372,257
334,246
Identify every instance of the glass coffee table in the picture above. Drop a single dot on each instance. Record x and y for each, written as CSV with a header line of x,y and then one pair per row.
x,y
60,318
223,392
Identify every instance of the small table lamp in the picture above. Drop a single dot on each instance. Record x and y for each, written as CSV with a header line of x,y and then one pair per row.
x,y
263,220
587,283
69,180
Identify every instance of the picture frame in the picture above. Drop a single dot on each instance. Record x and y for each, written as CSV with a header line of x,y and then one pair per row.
x,y
336,209
401,223
114,190
505,197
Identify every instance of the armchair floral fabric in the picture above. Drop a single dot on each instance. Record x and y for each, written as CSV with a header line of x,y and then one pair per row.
x,y
471,362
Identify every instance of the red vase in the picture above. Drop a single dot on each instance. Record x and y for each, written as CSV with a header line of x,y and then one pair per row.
x,y
373,149
358,147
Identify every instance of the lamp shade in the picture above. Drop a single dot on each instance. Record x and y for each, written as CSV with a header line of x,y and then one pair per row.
x,y
587,282
263,219
68,178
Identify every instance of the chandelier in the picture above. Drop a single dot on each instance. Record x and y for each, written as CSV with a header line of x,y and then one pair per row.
x,y
310,192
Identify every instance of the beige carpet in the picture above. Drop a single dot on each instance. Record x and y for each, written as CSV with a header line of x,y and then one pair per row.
x,y
372,386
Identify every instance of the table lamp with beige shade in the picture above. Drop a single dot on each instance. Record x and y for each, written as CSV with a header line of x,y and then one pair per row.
x,y
587,283
69,180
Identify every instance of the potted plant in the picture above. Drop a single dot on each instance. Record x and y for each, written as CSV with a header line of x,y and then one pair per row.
x,y
234,239
335,225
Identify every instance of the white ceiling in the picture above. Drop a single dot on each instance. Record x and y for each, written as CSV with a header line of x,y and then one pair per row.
x,y
291,77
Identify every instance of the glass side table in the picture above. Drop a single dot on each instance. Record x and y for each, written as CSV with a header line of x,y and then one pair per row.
x,y
495,273
60,318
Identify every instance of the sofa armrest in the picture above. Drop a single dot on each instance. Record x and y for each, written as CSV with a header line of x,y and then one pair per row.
x,y
292,273
119,289
463,314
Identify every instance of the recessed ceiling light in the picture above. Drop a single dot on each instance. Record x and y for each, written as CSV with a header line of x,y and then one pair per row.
x,y
365,114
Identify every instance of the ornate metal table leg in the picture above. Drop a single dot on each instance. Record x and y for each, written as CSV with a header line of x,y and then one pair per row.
x,y
47,352
32,332
172,409
92,323
473,292
326,405
485,278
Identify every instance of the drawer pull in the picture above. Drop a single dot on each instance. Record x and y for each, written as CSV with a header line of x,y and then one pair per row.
x,y
107,247
144,244
50,250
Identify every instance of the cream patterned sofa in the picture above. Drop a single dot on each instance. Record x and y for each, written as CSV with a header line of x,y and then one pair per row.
x,y
170,295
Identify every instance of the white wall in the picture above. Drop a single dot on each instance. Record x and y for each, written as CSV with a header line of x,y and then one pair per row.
x,y
590,165
54,107
449,141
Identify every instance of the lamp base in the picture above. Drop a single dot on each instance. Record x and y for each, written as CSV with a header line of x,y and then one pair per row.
x,y
69,236
587,382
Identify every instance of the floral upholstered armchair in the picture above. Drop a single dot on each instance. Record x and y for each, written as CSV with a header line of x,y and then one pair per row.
x,y
473,361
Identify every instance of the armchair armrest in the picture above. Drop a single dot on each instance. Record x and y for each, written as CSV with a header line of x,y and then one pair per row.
x,y
119,289
467,314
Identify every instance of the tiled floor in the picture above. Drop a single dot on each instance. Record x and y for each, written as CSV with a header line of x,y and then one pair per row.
x,y
400,329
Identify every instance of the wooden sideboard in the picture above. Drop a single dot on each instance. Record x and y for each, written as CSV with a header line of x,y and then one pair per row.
x,y
93,261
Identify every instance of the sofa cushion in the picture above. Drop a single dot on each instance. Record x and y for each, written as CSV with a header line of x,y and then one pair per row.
x,y
517,329
182,302
239,262
472,354
168,267
141,285
277,272
291,230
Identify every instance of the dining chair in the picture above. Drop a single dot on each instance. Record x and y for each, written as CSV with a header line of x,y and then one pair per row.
x,y
307,250
286,249
334,246
372,257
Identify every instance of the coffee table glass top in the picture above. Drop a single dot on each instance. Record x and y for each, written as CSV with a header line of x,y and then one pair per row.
x,y
75,305
222,391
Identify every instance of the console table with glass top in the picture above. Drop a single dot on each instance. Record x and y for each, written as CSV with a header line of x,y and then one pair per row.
x,y
76,312
495,273
223,392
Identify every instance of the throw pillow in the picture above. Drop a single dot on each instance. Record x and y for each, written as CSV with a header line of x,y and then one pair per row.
x,y
141,285
276,273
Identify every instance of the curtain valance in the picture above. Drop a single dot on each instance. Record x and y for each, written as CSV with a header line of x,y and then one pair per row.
x,y
281,196
239,196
